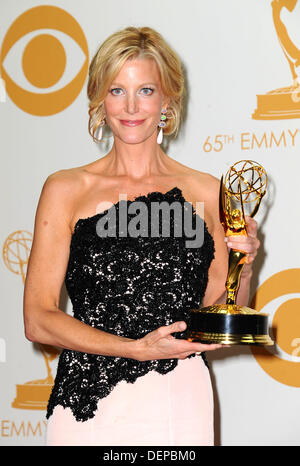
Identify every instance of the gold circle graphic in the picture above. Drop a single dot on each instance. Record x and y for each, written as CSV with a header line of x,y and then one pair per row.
x,y
287,323
51,65
286,327
44,17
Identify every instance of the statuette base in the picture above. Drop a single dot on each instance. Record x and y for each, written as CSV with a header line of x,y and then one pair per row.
x,y
228,324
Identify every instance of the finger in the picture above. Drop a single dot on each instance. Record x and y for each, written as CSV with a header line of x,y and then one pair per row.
x,y
210,346
249,259
184,355
202,347
247,244
251,226
167,330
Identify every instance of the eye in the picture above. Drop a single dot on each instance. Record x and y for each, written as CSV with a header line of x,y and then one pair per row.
x,y
116,91
45,54
147,91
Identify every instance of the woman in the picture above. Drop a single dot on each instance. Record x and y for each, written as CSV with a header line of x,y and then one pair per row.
x,y
126,375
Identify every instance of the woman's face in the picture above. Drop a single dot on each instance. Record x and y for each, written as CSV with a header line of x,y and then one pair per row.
x,y
134,101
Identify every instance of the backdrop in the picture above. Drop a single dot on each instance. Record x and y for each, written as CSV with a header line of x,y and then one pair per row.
x,y
241,60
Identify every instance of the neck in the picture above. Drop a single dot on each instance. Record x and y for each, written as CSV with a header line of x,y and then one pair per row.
x,y
136,162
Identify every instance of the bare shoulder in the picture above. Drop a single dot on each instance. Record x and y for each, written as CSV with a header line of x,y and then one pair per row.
x,y
209,184
201,184
77,180
204,187
66,185
65,180
59,195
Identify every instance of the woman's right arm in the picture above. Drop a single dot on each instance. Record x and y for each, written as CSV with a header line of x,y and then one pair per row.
x,y
44,322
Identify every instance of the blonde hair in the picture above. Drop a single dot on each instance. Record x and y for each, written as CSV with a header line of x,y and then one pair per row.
x,y
130,43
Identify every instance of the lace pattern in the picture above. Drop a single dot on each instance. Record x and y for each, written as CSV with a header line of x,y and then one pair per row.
x,y
127,286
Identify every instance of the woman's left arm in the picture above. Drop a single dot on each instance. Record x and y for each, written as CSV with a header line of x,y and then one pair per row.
x,y
250,245
215,291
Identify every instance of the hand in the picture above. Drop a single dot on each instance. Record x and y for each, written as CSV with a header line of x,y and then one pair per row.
x,y
248,244
160,344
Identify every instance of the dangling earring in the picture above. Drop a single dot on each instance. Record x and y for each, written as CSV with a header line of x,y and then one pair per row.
x,y
102,123
161,125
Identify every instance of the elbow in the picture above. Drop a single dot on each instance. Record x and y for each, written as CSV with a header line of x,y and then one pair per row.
x,y
31,318
35,329
31,330
30,334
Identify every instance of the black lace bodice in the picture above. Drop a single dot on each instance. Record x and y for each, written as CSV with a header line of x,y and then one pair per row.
x,y
127,286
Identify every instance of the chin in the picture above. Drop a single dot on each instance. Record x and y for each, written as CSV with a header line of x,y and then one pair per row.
x,y
134,139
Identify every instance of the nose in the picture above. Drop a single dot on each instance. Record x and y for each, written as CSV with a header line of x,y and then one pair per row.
x,y
131,103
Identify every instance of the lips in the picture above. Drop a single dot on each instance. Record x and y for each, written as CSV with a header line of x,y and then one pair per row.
x,y
132,123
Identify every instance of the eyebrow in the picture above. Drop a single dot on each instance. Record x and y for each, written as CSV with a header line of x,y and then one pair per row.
x,y
141,85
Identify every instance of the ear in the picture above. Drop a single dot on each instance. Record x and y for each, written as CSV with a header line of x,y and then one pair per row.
x,y
166,102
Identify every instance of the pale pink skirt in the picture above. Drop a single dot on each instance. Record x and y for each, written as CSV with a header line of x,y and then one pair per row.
x,y
158,410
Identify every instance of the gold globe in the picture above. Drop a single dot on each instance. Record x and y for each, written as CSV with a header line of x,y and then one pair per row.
x,y
246,183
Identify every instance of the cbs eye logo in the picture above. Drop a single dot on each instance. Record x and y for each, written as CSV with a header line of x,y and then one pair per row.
x,y
39,50
279,296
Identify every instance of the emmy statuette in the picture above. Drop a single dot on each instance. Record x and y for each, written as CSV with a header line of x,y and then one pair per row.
x,y
284,102
241,192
